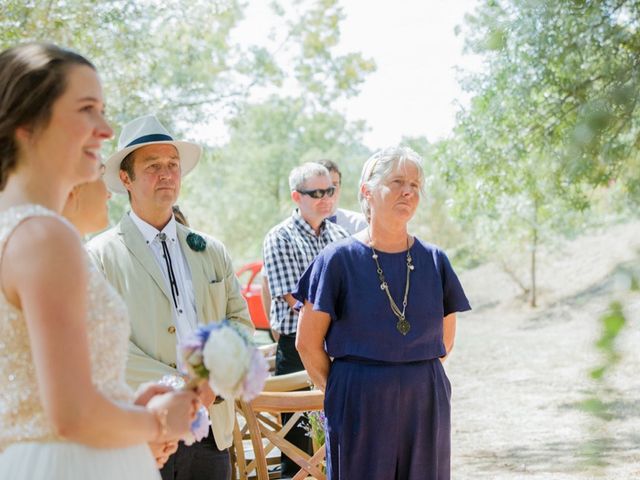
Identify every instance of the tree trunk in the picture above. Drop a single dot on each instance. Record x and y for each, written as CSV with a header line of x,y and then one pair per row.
x,y
534,251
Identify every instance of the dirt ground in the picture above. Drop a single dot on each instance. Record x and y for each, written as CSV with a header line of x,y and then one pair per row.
x,y
519,374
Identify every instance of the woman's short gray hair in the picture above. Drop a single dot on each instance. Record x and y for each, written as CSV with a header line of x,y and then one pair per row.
x,y
380,165
304,172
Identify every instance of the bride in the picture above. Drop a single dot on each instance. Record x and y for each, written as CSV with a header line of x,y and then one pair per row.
x,y
65,409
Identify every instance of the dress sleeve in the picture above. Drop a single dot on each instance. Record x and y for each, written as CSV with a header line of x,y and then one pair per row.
x,y
454,298
321,285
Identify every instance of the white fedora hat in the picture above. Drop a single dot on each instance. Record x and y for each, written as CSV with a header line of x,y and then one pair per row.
x,y
143,131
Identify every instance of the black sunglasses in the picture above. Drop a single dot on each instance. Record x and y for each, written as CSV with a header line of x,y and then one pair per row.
x,y
318,192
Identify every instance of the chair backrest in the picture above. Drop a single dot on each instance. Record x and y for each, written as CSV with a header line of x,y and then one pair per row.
x,y
288,383
262,423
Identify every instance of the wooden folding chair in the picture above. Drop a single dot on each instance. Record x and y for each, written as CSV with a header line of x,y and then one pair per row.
x,y
262,423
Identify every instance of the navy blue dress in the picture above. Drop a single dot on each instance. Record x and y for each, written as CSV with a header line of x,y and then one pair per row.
x,y
387,399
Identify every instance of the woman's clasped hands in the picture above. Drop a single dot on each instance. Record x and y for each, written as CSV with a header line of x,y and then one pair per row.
x,y
174,411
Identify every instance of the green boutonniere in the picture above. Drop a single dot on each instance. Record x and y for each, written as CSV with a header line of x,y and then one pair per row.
x,y
196,242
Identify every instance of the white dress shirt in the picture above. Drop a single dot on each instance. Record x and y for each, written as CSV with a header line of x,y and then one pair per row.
x,y
351,221
185,315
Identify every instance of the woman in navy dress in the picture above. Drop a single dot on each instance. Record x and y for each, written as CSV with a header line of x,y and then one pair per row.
x,y
378,318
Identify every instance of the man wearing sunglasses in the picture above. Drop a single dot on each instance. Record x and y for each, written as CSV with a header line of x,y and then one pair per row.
x,y
289,248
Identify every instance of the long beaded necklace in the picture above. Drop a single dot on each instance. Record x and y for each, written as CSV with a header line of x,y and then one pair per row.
x,y
403,325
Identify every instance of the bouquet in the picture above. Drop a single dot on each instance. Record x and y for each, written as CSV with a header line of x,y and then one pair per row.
x,y
227,358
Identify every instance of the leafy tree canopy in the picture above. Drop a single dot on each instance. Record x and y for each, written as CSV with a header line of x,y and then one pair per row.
x,y
180,60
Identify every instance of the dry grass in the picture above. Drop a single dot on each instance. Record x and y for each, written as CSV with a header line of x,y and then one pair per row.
x,y
518,373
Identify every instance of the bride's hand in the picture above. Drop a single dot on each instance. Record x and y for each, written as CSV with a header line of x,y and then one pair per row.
x,y
147,391
175,411
162,451
206,394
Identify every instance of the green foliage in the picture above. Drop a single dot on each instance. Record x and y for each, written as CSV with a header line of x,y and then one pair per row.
x,y
153,56
321,72
612,322
179,61
315,428
553,118
596,407
601,401
565,75
247,179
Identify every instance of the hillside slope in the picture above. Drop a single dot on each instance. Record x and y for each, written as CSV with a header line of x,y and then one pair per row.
x,y
518,373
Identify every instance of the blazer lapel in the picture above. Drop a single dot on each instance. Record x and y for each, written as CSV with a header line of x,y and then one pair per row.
x,y
198,270
134,241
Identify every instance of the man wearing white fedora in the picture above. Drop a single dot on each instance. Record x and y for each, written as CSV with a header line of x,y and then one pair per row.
x,y
171,278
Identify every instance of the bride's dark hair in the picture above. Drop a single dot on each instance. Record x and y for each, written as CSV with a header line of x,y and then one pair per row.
x,y
32,77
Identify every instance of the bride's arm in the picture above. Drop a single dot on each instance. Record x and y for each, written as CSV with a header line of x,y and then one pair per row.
x,y
43,272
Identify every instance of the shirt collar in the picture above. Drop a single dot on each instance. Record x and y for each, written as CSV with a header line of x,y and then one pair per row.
x,y
149,232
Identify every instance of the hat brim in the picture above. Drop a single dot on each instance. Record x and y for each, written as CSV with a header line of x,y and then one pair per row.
x,y
190,154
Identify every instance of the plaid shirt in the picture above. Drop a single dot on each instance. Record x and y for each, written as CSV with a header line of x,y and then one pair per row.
x,y
289,248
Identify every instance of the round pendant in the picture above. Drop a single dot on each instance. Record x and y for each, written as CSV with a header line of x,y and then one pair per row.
x,y
403,326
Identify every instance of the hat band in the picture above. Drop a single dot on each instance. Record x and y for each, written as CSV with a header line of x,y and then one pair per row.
x,y
154,137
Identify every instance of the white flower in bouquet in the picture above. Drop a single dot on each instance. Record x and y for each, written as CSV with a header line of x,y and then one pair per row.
x,y
227,358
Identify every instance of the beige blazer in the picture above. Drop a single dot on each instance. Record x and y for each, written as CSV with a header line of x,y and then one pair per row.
x,y
128,263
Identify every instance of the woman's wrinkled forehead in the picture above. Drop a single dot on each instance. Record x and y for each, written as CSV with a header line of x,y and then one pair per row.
x,y
403,167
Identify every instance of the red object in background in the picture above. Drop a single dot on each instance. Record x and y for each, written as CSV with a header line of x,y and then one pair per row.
x,y
252,292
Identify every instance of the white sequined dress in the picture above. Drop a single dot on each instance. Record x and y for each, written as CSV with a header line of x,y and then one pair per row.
x,y
28,445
